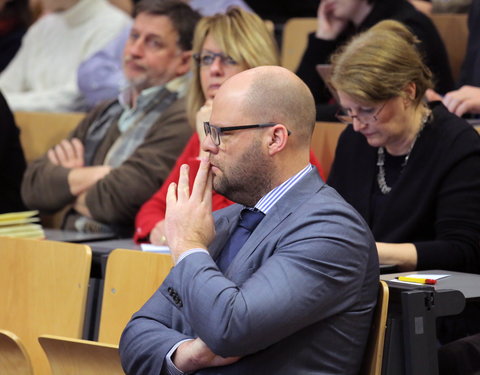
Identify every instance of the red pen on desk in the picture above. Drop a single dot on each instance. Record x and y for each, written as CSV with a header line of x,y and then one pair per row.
x,y
417,280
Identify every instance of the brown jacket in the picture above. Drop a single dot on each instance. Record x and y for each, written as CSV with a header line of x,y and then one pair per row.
x,y
116,198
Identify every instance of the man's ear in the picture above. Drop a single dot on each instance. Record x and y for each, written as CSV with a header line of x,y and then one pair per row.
x,y
278,136
185,60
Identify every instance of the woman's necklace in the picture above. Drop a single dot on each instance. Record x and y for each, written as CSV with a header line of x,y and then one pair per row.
x,y
382,183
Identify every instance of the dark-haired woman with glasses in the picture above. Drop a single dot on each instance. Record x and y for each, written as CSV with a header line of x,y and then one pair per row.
x,y
411,170
223,45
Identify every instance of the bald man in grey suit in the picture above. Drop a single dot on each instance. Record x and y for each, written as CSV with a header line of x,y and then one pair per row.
x,y
298,296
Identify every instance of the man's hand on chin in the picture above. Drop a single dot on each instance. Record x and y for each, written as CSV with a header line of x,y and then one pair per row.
x,y
188,218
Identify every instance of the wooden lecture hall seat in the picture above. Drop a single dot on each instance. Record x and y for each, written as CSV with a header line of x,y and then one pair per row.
x,y
131,278
44,291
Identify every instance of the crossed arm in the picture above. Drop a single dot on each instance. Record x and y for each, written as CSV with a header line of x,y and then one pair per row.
x,y
70,154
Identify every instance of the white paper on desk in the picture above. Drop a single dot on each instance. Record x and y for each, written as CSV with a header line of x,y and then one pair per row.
x,y
419,276
155,249
426,276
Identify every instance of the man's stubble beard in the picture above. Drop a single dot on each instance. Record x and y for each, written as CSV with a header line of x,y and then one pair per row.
x,y
249,180
140,83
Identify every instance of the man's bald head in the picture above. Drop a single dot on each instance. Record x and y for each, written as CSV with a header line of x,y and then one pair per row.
x,y
274,94
249,163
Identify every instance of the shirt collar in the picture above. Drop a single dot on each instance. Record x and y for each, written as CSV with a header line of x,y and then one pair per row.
x,y
125,97
268,201
178,85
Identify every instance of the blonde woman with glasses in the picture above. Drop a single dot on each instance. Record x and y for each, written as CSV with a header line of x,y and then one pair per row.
x,y
410,169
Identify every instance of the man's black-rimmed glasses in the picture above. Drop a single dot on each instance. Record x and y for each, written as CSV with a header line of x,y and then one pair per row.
x,y
215,131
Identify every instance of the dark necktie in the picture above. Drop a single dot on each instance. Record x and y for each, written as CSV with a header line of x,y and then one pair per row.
x,y
246,225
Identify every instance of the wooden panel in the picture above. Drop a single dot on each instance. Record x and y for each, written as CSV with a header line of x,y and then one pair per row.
x,y
39,131
294,40
44,289
324,143
131,279
80,357
453,29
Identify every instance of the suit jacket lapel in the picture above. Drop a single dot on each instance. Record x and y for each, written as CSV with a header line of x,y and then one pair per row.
x,y
305,188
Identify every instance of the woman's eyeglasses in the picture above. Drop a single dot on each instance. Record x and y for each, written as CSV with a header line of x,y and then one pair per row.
x,y
364,116
207,59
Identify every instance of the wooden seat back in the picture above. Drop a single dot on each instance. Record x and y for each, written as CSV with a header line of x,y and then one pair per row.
x,y
44,291
80,357
131,279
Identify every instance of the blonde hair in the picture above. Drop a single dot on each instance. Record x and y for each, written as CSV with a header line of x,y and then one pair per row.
x,y
241,35
379,63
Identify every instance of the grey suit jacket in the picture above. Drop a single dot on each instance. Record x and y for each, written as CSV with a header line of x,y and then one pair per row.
x,y
297,299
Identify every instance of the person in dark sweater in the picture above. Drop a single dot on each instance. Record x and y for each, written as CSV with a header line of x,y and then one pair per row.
x,y
12,161
339,20
411,170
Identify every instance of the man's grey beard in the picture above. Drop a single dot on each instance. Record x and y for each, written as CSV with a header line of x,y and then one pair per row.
x,y
139,84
